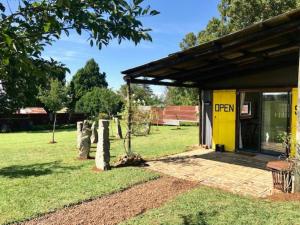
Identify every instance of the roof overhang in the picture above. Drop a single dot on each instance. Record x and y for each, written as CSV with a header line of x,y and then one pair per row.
x,y
268,44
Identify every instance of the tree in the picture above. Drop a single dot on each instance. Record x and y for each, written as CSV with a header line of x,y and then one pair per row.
x,y
99,100
84,81
181,96
21,88
36,23
140,92
190,40
54,99
236,15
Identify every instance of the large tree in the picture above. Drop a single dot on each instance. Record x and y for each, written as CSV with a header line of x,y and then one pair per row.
x,y
236,15
25,32
181,96
84,81
21,88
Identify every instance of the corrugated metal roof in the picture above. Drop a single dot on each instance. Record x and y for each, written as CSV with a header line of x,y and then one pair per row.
x,y
276,37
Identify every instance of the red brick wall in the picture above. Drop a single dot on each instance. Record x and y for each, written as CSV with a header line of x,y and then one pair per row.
x,y
180,113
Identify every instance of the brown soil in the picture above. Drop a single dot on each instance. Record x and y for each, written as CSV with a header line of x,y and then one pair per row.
x,y
118,207
284,197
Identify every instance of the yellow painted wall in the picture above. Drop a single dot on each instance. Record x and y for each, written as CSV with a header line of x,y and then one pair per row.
x,y
294,120
224,118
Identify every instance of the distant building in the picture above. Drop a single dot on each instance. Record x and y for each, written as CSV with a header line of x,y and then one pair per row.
x,y
32,110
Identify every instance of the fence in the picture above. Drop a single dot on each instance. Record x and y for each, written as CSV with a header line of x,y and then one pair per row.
x,y
18,122
171,114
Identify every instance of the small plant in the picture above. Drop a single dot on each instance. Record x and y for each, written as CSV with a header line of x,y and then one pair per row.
x,y
141,118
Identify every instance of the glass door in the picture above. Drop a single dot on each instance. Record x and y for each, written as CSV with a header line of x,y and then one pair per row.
x,y
275,120
249,121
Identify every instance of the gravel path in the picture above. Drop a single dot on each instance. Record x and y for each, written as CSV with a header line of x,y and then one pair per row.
x,y
118,207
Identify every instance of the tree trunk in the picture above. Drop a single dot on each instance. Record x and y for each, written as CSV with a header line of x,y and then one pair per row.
x,y
129,151
54,123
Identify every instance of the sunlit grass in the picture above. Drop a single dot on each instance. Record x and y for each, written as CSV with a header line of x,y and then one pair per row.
x,y
37,177
204,206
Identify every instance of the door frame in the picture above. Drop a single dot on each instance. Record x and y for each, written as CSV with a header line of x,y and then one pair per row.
x,y
261,91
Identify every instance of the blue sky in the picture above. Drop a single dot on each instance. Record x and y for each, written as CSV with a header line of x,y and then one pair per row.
x,y
176,18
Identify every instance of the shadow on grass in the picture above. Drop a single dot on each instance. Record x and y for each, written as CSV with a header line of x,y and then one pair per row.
x,y
71,129
198,219
35,170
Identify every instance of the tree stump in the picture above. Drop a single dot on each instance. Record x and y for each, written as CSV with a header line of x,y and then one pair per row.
x,y
103,155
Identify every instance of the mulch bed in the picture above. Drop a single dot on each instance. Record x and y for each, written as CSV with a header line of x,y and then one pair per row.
x,y
284,197
118,207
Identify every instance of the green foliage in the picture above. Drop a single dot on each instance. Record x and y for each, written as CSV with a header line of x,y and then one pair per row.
x,y
141,117
190,40
236,15
181,96
84,81
21,88
99,100
55,97
142,93
103,116
37,23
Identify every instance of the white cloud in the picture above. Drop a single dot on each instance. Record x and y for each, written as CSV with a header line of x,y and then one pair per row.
x,y
65,55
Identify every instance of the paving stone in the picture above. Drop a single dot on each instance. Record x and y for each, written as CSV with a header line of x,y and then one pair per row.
x,y
237,173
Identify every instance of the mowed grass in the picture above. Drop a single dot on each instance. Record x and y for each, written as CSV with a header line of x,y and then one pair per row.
x,y
204,206
37,177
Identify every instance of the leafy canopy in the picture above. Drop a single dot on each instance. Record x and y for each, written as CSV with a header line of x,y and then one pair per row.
x,y
85,80
236,15
99,100
36,23
181,96
142,93
55,97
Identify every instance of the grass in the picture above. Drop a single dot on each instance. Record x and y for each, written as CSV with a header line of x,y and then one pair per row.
x,y
204,206
37,177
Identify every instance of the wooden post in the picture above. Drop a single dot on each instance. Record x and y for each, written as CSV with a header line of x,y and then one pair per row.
x,y
200,116
297,167
129,117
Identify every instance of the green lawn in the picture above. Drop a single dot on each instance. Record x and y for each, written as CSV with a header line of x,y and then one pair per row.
x,y
205,205
37,177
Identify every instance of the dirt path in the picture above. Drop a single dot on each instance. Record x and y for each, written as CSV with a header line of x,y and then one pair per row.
x,y
118,207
